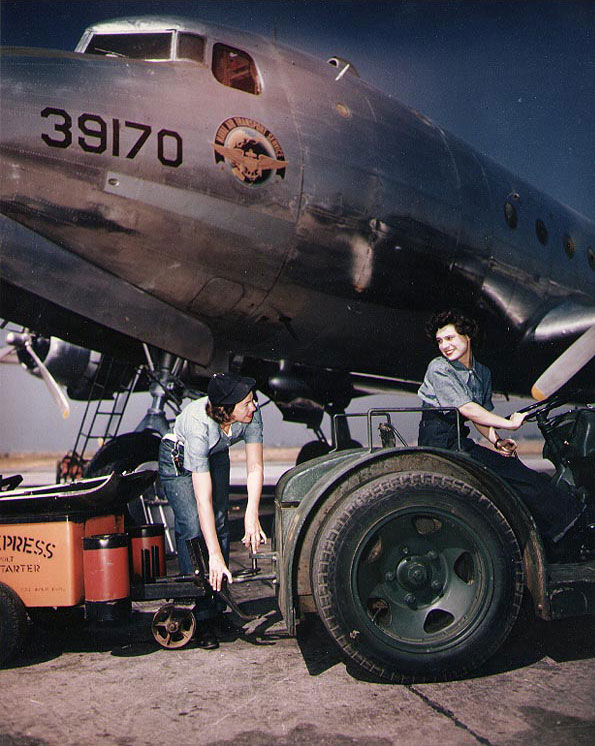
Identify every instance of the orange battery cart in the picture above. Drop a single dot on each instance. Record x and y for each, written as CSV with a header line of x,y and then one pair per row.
x,y
66,545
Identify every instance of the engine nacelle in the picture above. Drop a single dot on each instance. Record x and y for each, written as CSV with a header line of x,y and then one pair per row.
x,y
76,368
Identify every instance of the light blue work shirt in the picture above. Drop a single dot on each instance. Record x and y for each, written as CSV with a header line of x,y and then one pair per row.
x,y
201,436
452,384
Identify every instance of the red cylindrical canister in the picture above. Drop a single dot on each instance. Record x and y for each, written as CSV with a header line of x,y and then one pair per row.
x,y
147,547
107,577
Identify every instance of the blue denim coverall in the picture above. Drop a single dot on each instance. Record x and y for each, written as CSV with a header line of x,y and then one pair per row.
x,y
204,447
452,384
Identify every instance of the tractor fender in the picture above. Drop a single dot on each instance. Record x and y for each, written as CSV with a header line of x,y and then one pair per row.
x,y
307,494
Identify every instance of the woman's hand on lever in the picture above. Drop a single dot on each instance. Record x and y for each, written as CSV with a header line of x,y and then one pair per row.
x,y
253,533
516,420
217,571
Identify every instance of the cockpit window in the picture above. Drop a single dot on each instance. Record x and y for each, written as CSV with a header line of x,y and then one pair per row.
x,y
191,47
154,46
235,69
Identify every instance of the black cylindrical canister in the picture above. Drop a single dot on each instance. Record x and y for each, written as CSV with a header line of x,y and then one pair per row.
x,y
147,547
107,578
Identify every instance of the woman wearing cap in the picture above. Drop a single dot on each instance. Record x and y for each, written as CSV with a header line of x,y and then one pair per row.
x,y
194,472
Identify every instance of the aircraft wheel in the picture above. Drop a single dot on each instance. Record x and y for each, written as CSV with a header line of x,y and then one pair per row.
x,y
127,453
417,577
173,627
312,449
315,448
124,453
13,623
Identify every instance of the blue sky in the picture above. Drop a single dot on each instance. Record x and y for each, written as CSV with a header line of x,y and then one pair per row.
x,y
513,79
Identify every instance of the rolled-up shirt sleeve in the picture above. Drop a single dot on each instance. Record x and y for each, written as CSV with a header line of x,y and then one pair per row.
x,y
253,431
447,388
196,450
487,394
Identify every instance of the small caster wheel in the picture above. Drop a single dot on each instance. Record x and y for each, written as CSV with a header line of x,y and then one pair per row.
x,y
173,627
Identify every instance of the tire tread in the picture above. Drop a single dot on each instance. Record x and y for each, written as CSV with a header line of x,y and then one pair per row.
x,y
364,503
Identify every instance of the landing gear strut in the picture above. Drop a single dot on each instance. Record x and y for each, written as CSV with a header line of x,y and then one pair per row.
x,y
129,451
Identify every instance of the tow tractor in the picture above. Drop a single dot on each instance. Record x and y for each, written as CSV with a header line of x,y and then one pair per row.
x,y
416,559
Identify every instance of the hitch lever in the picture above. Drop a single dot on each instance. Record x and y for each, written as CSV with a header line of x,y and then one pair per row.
x,y
197,550
249,572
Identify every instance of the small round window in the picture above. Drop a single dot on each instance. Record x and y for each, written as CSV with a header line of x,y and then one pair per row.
x,y
569,246
541,232
511,205
343,110
510,214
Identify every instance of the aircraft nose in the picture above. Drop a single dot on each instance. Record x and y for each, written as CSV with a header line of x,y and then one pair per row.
x,y
35,81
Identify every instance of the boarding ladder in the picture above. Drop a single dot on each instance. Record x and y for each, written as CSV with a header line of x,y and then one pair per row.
x,y
103,414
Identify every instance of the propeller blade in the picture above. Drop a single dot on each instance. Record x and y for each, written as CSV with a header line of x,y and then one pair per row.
x,y
564,367
55,390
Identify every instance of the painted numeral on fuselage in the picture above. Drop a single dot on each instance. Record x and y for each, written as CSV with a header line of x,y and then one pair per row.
x,y
100,134
145,131
115,137
94,136
64,127
177,160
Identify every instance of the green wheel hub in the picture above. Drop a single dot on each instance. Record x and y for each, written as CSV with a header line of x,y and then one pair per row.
x,y
422,579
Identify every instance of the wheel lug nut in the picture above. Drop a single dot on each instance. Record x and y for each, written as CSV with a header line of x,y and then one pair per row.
x,y
389,576
432,554
410,599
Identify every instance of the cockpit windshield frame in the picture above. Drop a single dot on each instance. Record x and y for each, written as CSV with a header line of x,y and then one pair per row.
x,y
230,66
235,68
114,45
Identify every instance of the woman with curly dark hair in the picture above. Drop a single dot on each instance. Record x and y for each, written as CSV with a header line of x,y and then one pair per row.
x,y
456,379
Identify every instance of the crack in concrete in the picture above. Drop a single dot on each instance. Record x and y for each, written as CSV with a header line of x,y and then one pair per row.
x,y
449,714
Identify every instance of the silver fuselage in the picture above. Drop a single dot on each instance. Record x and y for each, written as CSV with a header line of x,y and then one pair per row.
x,y
379,218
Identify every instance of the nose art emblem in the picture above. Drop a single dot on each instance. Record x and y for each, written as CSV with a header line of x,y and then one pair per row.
x,y
252,151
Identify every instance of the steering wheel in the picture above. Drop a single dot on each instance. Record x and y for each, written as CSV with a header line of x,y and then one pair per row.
x,y
542,406
576,396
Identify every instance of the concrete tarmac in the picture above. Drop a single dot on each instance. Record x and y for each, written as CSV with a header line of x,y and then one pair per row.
x,y
76,684
41,469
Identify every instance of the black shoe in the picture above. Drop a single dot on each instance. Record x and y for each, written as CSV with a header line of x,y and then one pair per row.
x,y
225,629
205,635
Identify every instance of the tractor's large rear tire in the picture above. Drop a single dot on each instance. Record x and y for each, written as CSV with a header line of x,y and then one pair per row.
x,y
13,623
417,577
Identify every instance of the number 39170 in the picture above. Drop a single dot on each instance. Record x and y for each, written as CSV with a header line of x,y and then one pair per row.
x,y
95,135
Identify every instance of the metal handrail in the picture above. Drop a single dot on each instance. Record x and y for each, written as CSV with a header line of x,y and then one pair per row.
x,y
386,412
